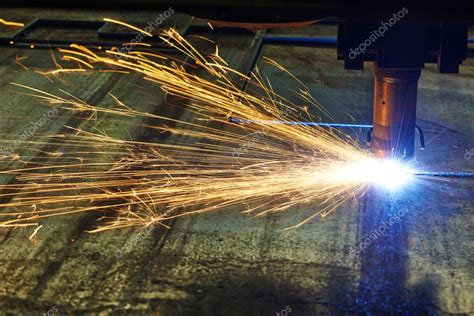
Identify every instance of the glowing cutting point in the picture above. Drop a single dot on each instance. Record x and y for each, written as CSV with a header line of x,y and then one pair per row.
x,y
390,174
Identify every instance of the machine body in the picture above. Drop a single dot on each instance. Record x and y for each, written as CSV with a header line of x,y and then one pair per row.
x,y
413,34
398,55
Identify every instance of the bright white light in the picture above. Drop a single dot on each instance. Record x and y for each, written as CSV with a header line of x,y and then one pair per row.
x,y
390,174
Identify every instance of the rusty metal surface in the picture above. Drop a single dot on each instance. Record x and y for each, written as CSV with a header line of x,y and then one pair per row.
x,y
228,264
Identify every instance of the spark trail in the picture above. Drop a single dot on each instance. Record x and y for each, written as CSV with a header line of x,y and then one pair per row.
x,y
11,23
135,182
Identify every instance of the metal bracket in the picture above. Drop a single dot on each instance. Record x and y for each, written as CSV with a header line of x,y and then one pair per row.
x,y
103,38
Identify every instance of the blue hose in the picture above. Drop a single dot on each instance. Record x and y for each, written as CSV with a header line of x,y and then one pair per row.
x,y
337,125
300,40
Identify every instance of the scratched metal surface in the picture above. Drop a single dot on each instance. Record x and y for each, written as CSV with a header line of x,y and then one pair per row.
x,y
229,264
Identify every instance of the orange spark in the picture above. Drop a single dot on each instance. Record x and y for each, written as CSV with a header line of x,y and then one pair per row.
x,y
10,23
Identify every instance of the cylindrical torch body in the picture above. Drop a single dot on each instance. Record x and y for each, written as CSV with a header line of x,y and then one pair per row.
x,y
395,94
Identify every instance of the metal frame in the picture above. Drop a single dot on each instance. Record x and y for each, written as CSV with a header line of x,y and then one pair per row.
x,y
103,38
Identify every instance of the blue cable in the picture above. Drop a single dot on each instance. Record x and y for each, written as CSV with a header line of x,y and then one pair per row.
x,y
340,125
300,40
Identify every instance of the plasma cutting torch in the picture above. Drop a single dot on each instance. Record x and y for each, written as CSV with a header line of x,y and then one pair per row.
x,y
398,39
396,36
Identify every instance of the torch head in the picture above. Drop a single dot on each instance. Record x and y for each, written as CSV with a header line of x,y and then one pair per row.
x,y
393,134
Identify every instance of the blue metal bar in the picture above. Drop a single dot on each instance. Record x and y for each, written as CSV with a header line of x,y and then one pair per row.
x,y
445,174
340,125
300,40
